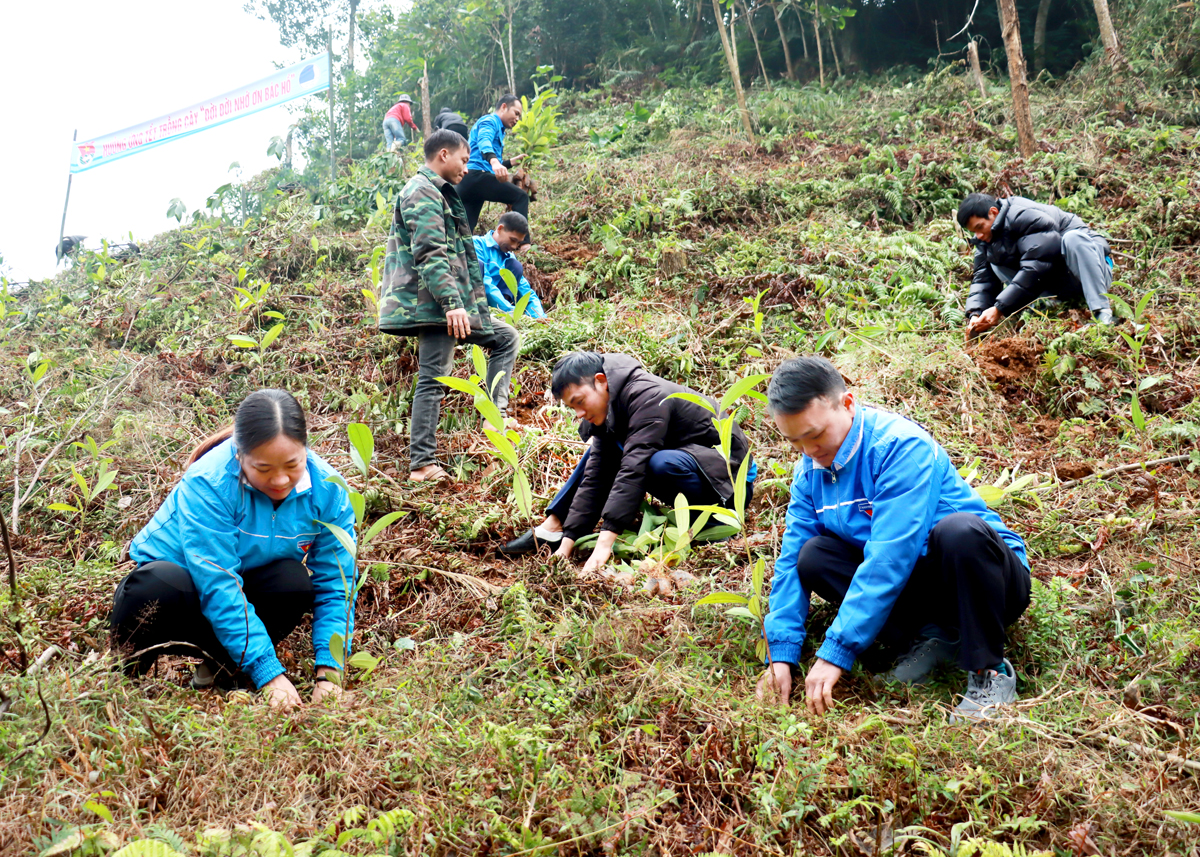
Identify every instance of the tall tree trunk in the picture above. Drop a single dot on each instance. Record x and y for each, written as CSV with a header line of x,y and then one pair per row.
x,y
512,75
350,46
817,38
833,50
787,53
733,71
349,80
1011,29
1108,35
757,51
426,124
1039,38
976,71
803,24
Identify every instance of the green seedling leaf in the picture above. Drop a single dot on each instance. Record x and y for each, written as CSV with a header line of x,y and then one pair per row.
x,y
695,400
337,648
462,386
683,519
1135,413
722,598
720,513
509,279
1141,305
990,494
488,409
241,274
314,244
359,504
382,524
504,449
79,480
725,427
739,488
362,446
479,361
242,341
346,540
271,336
100,810
336,479
273,314
522,493
712,534
740,389
241,291
760,649
757,576
1152,381
1190,817
372,301
755,607
587,541
740,613
62,507
363,661
522,305
1022,483
103,483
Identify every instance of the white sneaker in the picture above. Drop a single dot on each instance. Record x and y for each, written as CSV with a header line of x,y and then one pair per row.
x,y
987,690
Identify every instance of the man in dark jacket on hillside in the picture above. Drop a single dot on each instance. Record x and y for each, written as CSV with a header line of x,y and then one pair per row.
x,y
450,121
1025,250
433,290
641,441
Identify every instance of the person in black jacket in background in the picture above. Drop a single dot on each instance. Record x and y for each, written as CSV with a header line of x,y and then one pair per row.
x,y
641,442
1025,250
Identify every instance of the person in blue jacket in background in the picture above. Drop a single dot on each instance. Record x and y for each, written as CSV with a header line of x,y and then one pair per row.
x,y
881,524
235,557
496,250
487,170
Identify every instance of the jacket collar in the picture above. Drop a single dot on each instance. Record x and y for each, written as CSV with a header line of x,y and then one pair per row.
x,y
489,240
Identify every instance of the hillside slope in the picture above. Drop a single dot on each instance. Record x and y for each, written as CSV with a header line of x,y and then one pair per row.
x,y
520,710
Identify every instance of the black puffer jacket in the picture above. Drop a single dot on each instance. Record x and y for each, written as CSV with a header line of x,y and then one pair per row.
x,y
639,424
1026,236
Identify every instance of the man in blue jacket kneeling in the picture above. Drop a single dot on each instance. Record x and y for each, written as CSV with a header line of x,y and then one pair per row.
x,y
881,524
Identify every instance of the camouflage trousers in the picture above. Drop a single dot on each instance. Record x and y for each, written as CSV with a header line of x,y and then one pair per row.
x,y
435,356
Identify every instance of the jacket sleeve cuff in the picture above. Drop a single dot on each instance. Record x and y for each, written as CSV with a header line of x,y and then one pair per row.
x,y
487,157
836,654
264,669
784,653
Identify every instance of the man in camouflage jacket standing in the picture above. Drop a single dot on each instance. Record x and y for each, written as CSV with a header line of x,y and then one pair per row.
x,y
433,290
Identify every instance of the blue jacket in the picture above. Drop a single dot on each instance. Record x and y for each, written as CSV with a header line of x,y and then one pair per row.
x,y
214,520
491,260
890,483
487,141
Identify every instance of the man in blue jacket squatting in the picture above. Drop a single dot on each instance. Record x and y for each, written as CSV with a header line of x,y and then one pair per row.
x,y
497,251
881,524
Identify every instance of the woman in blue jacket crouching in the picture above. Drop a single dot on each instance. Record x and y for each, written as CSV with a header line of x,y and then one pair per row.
x,y
235,557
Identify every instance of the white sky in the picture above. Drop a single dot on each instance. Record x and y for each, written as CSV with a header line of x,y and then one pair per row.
x,y
101,67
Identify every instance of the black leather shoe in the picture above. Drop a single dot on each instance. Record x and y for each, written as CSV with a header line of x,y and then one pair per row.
x,y
526,543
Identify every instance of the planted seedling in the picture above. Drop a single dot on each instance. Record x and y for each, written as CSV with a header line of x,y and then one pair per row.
x,y
362,450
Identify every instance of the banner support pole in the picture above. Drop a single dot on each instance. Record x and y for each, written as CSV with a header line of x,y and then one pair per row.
x,y
332,155
63,226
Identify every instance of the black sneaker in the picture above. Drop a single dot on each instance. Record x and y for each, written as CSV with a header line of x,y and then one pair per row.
x,y
527,543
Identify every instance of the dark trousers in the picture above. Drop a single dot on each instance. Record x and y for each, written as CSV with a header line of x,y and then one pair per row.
x,y
970,582
670,473
158,603
480,186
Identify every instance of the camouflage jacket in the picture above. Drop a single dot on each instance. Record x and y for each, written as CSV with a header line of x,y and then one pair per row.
x,y
431,266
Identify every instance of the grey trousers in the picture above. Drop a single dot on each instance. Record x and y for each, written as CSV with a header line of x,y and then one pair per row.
x,y
435,358
1085,253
